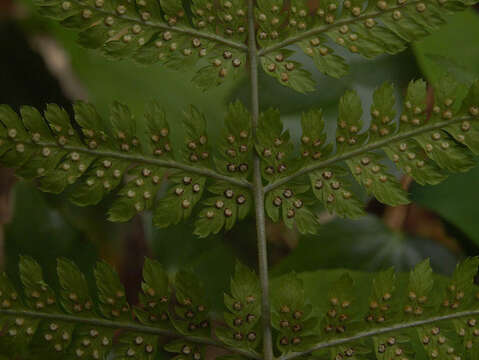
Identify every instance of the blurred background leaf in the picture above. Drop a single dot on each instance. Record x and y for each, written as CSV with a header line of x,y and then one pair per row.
x,y
456,200
364,244
453,49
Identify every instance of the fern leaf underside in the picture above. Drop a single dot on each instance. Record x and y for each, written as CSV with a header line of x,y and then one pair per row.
x,y
132,159
119,156
210,35
353,315
383,316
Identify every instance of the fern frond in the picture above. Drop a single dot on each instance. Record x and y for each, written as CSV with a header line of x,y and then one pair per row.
x,y
243,313
74,325
292,316
93,158
368,28
210,35
275,150
354,314
120,156
204,34
427,144
405,317
229,203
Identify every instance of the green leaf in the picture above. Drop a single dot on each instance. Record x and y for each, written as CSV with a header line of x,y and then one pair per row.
x,y
420,146
342,304
313,136
324,58
289,203
382,297
244,310
45,328
373,175
74,288
421,283
245,286
292,316
468,345
180,201
433,340
186,349
368,29
391,345
288,72
93,158
330,187
289,294
236,144
98,340
460,290
144,347
413,160
192,309
164,32
421,279
228,205
111,292
454,200
19,330
349,122
467,131
274,146
437,343
56,335
155,295
366,243
196,137
442,51
383,111
296,301
39,295
353,352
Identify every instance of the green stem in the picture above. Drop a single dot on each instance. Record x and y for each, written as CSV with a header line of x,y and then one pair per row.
x,y
325,28
171,164
364,149
259,192
164,26
128,326
376,332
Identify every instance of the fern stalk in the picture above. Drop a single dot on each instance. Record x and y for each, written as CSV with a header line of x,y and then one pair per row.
x,y
258,190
